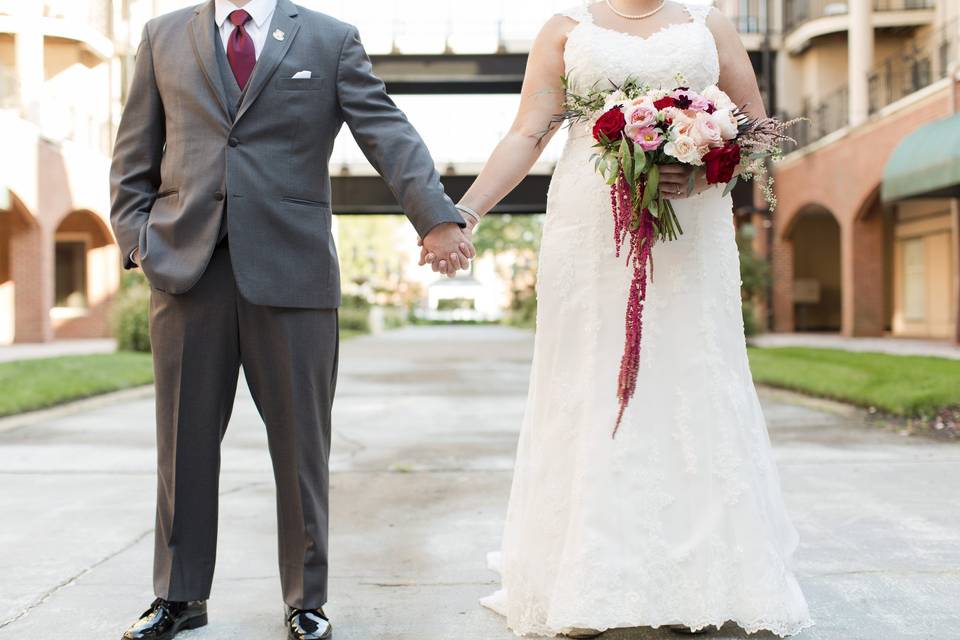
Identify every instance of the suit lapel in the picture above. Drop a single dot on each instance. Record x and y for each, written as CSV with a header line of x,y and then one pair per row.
x,y
284,25
202,32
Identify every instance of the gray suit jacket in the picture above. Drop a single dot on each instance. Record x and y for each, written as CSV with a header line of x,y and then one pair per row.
x,y
180,159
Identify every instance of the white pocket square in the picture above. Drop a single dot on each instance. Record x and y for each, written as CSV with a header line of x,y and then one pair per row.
x,y
302,75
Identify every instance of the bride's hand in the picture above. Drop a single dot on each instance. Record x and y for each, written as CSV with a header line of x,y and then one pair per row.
x,y
675,181
426,257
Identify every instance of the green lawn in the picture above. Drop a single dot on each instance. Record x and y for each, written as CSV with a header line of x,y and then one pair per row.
x,y
902,385
35,384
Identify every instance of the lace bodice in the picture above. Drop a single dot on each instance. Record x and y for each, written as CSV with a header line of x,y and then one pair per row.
x,y
596,55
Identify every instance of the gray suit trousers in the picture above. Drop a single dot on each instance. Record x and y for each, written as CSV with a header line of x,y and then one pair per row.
x,y
289,356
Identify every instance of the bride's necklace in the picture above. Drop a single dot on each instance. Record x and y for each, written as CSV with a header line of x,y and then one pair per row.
x,y
637,17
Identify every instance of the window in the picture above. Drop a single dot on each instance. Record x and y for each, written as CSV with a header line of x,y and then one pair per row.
x,y
914,281
71,274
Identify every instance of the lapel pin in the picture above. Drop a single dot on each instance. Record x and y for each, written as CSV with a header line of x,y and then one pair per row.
x,y
279,35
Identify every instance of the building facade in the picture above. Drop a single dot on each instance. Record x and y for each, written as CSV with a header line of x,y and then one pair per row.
x,y
58,260
854,247
847,254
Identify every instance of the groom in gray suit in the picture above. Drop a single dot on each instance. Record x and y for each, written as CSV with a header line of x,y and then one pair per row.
x,y
221,195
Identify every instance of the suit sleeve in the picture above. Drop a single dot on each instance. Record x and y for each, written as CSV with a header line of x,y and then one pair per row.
x,y
389,141
135,171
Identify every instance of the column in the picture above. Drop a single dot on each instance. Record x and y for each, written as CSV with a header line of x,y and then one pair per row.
x,y
860,59
29,57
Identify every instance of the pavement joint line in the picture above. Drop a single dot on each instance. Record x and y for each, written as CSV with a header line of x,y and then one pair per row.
x,y
49,593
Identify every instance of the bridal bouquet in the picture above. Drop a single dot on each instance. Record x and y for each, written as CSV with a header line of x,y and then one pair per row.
x,y
638,129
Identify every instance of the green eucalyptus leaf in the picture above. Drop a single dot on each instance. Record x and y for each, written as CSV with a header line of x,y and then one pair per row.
x,y
654,208
639,161
731,185
653,178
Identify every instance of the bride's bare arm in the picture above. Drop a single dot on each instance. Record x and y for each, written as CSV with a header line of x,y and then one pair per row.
x,y
738,80
540,100
737,76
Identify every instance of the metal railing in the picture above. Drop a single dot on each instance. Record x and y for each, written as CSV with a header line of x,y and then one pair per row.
x,y
919,64
796,12
749,16
823,118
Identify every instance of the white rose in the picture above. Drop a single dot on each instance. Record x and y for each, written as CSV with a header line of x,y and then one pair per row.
x,y
727,124
684,149
719,99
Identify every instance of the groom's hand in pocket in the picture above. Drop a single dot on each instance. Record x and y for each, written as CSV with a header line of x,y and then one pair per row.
x,y
447,248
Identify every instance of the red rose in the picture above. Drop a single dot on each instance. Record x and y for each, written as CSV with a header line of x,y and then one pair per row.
x,y
610,124
721,163
665,102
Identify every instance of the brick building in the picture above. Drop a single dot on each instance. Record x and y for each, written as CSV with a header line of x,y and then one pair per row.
x,y
866,235
58,260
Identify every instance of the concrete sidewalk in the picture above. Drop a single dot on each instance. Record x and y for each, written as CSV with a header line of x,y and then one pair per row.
x,y
33,351
426,424
893,346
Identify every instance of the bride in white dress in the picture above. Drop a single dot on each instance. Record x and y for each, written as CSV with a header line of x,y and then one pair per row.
x,y
680,519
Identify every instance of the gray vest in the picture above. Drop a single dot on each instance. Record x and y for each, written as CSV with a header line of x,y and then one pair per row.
x,y
234,98
230,86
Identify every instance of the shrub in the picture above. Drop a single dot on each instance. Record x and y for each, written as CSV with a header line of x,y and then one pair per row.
x,y
523,308
131,316
355,314
394,317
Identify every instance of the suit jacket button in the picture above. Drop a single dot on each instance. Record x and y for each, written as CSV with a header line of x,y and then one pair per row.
x,y
234,142
218,196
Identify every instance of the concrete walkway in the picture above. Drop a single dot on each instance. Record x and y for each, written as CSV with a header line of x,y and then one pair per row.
x,y
894,346
33,351
427,422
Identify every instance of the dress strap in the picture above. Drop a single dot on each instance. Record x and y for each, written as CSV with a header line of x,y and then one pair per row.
x,y
580,13
698,12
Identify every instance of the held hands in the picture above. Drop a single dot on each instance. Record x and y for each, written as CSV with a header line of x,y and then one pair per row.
x,y
447,249
675,181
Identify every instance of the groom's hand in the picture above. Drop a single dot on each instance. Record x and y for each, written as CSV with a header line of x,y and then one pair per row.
x,y
447,249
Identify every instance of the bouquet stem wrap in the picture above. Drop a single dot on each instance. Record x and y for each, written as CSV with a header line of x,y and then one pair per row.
x,y
636,226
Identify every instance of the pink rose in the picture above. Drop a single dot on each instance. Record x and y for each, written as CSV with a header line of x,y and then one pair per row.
x,y
641,114
701,104
706,131
647,138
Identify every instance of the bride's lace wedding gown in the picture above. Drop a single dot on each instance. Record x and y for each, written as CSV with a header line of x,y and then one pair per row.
x,y
680,519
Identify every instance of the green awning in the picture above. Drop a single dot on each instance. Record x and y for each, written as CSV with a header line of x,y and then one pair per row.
x,y
926,164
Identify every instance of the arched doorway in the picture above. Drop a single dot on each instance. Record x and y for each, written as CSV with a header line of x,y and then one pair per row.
x,y
19,299
817,277
85,276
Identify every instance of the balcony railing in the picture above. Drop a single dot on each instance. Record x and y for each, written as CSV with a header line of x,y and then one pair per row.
x,y
750,16
796,12
919,64
823,118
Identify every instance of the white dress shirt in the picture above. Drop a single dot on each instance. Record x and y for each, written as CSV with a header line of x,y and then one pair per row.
x,y
261,13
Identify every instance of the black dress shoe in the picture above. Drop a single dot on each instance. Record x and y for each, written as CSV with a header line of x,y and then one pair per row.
x,y
308,624
164,620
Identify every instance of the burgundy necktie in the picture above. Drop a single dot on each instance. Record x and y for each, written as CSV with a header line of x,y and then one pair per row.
x,y
240,50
